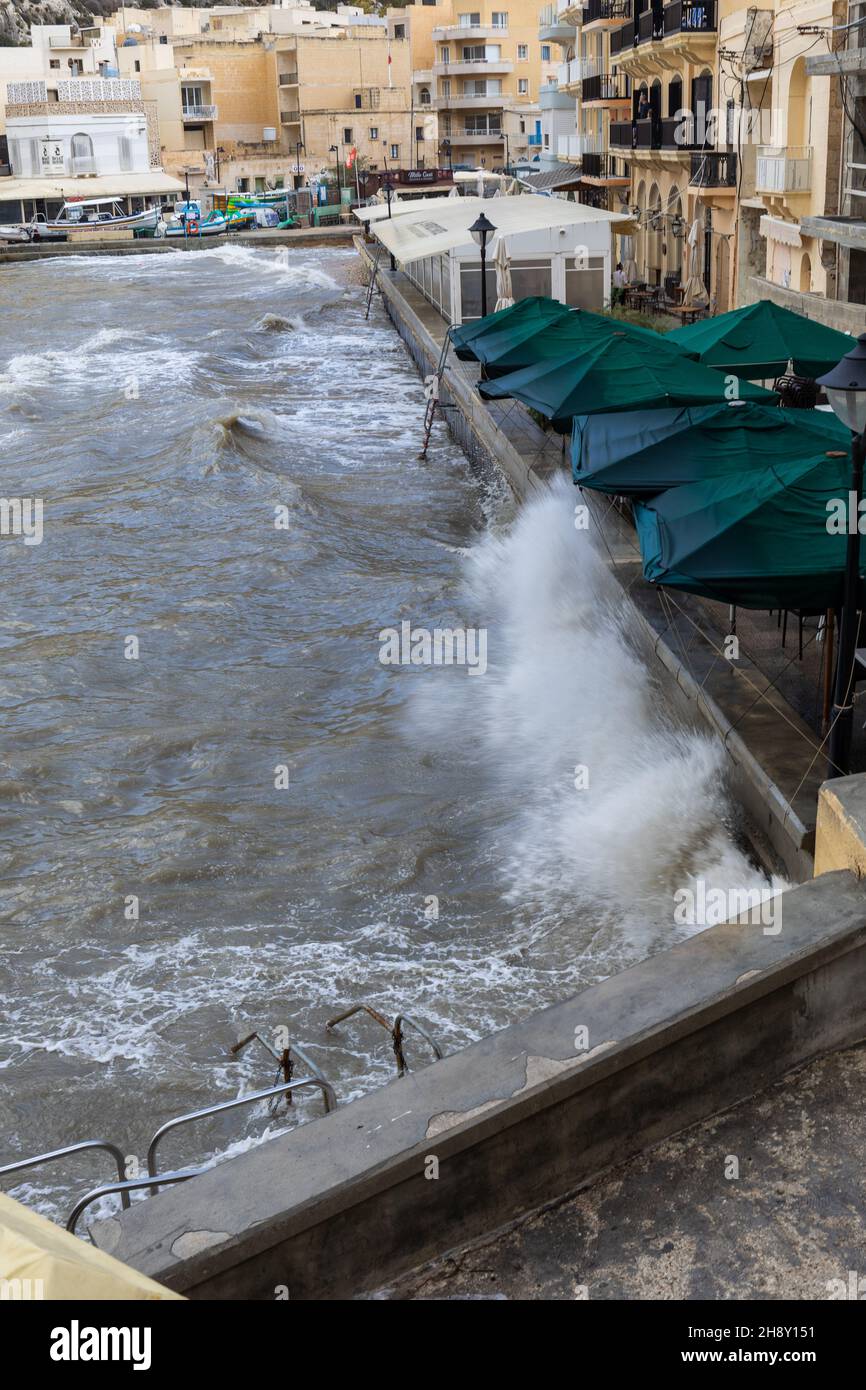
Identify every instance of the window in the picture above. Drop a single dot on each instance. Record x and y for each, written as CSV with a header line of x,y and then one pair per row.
x,y
191,99
445,87
358,100
374,132
347,135
523,86
163,38
444,54
82,155
424,96
395,151
522,52
533,277
138,65
470,21
584,286
419,133
54,63
545,53
399,31
243,185
499,19
481,52
478,87
522,127
125,153
260,185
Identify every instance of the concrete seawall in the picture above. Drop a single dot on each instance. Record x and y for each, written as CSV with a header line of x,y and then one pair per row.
x,y
343,1204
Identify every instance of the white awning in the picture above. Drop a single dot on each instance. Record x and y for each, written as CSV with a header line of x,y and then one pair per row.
x,y
103,186
431,230
788,233
376,211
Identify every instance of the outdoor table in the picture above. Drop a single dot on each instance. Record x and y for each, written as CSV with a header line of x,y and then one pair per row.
x,y
687,312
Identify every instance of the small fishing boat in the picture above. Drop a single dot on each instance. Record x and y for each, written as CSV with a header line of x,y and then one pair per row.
x,y
95,215
191,226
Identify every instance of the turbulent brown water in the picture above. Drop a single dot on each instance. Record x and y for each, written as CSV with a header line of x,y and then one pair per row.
x,y
164,407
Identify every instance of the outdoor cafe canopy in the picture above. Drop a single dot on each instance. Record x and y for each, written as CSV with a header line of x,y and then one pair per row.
x,y
639,454
521,321
507,350
757,539
619,372
760,339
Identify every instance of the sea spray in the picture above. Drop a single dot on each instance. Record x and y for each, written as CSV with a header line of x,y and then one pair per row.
x,y
619,802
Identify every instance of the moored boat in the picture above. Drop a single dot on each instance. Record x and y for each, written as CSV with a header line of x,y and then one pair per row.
x,y
94,215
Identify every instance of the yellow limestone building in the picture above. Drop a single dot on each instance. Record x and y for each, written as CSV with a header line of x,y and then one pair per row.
x,y
482,65
729,143
267,97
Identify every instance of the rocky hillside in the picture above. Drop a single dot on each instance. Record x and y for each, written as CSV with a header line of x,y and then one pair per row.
x,y
16,16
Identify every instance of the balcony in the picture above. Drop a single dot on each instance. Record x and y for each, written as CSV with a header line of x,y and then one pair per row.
x,y
290,116
605,169
605,89
552,98
783,170
669,135
199,113
455,33
475,137
605,14
473,101
686,19
578,70
474,67
714,169
288,79
574,147
553,28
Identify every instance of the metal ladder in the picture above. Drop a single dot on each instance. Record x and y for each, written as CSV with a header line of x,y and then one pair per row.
x,y
372,285
395,1029
432,391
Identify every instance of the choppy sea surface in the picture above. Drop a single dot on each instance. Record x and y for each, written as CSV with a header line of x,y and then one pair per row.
x,y
163,893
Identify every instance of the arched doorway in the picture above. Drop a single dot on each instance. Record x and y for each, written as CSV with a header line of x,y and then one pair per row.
x,y
799,103
655,232
805,273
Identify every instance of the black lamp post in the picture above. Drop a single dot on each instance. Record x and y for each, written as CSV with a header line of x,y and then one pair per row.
x,y
388,183
507,153
299,145
482,228
846,391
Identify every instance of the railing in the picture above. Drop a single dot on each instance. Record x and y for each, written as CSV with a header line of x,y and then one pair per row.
x,y
604,166
714,169
690,17
288,79
534,140
605,87
654,133
199,113
577,146
577,70
86,1145
596,10
621,135
651,24
622,40
783,169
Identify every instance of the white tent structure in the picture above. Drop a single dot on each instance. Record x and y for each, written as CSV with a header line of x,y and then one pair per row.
x,y
556,248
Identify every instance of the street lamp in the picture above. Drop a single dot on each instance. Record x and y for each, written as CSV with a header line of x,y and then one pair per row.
x,y
481,229
846,391
299,145
387,184
446,146
507,153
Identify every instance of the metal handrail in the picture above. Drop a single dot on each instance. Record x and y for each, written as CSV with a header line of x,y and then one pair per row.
x,y
324,1086
124,1188
394,1028
284,1059
49,1157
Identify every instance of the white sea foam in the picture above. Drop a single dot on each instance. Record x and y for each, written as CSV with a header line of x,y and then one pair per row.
x,y
568,687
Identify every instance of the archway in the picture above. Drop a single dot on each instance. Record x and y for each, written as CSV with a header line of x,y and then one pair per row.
x,y
805,273
797,127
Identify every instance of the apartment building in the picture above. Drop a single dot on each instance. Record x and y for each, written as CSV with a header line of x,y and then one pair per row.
x,y
601,90
484,69
57,52
703,115
840,232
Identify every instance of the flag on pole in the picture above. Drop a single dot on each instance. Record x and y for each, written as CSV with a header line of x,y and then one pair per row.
x,y
351,157
390,83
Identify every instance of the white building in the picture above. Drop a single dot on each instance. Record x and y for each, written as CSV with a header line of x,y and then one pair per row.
x,y
56,53
81,145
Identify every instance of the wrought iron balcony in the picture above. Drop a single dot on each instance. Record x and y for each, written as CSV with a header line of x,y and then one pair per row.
x,y
605,87
713,169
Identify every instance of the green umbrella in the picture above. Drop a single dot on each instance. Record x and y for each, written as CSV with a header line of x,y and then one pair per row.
x,y
634,454
616,373
760,339
762,539
523,319
507,351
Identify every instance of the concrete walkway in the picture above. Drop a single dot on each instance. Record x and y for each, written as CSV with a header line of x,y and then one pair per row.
x,y
671,1225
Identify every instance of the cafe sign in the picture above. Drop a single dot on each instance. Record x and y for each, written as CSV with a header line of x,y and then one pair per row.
x,y
51,158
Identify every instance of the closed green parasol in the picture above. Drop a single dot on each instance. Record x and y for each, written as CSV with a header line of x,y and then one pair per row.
x,y
619,372
641,453
760,339
523,319
767,538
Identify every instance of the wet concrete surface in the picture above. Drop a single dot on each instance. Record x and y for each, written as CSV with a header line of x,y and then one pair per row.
x,y
763,1202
